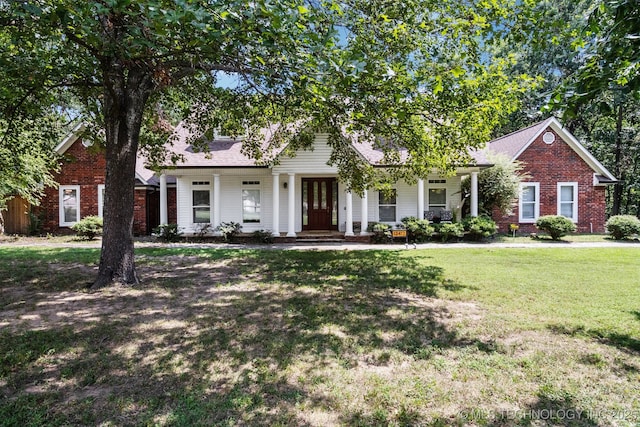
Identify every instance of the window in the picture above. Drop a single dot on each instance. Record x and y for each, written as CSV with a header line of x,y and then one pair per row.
x,y
568,200
437,199
201,202
529,206
250,201
101,200
69,204
387,206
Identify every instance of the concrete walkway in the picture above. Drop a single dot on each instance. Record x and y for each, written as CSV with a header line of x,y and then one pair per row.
x,y
635,244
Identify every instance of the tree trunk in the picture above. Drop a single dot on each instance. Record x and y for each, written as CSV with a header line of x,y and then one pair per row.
x,y
126,94
618,186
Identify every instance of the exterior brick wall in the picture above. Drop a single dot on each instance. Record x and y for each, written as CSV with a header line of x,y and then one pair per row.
x,y
172,204
548,165
79,166
86,168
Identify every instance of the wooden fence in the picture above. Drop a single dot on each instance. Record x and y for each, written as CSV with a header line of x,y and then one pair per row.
x,y
16,217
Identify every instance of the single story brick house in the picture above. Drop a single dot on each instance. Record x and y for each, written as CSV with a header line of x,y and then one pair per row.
x,y
301,194
81,189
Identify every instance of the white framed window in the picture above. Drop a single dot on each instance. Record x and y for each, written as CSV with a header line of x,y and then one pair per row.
x,y
529,201
437,199
101,200
568,200
201,202
387,202
69,202
251,202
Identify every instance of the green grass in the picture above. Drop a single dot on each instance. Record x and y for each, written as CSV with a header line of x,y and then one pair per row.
x,y
442,336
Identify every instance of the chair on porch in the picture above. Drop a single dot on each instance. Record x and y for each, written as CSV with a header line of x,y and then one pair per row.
x,y
446,216
429,215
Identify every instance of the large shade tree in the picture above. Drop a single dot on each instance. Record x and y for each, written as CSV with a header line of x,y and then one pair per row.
x,y
413,73
606,90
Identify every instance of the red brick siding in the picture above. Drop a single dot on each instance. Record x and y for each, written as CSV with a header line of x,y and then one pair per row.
x,y
140,212
83,167
80,166
548,165
172,205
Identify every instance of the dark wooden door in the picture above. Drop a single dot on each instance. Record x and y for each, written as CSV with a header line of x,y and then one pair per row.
x,y
318,203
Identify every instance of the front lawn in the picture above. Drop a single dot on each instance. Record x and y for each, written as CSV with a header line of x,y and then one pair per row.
x,y
484,336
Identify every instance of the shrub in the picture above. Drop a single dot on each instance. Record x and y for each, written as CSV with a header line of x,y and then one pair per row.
x,y
498,185
418,230
36,220
229,230
262,236
623,226
88,227
167,232
555,226
451,231
201,230
381,232
479,227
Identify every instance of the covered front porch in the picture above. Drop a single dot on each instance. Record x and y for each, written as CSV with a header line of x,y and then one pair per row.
x,y
302,204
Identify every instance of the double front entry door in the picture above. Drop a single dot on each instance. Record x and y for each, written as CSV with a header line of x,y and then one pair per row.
x,y
319,204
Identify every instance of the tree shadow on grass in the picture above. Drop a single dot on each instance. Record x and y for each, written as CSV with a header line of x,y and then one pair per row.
x,y
210,339
549,409
624,342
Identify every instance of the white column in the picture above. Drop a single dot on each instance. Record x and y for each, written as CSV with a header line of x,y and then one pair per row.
x,y
276,205
291,225
420,199
164,212
349,228
364,214
216,200
474,193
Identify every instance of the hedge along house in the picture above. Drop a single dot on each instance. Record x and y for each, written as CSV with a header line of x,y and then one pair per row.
x,y
564,178
80,192
299,195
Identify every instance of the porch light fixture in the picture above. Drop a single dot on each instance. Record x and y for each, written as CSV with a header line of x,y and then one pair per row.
x,y
285,185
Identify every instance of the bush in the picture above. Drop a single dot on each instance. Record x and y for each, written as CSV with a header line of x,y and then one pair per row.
x,y
88,227
262,236
418,230
623,226
479,227
229,230
381,232
555,226
201,230
451,231
167,232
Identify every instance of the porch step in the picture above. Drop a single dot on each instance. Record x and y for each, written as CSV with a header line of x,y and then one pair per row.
x,y
319,240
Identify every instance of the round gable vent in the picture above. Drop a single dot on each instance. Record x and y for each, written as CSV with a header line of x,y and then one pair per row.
x,y
549,137
86,143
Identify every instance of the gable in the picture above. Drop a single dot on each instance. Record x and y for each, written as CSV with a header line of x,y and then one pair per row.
x,y
516,144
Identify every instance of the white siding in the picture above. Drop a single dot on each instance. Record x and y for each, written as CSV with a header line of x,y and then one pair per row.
x,y
305,165
309,162
230,196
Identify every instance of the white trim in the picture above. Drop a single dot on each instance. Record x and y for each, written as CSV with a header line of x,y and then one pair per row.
x,y
70,139
251,186
395,206
61,215
100,200
574,216
199,187
446,199
536,207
